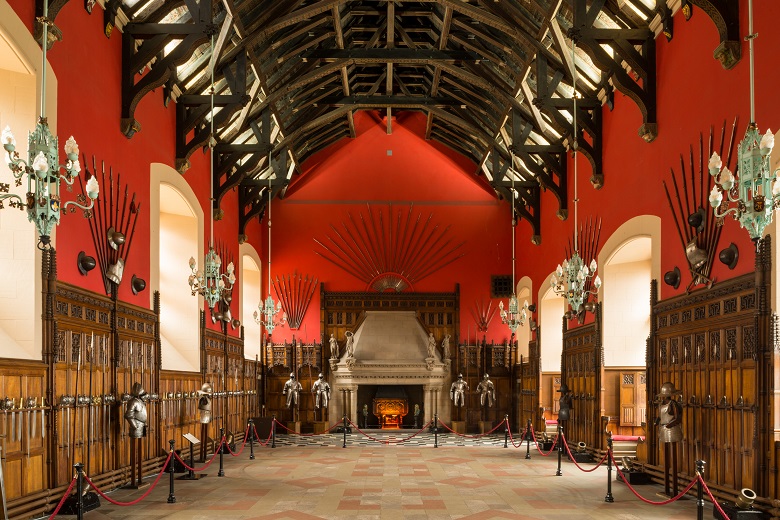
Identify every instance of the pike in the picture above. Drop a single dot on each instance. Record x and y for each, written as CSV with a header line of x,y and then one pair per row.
x,y
91,423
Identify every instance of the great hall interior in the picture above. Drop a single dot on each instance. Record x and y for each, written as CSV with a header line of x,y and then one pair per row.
x,y
572,200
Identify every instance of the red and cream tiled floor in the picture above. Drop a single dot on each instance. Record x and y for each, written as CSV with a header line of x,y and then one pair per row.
x,y
395,482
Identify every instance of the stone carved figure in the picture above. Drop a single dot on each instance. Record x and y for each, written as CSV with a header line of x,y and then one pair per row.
x,y
417,416
669,422
334,347
486,391
321,390
431,345
350,344
135,414
564,403
458,391
292,389
445,346
204,403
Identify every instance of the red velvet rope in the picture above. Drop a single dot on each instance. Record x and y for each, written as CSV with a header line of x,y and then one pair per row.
x,y
575,462
236,454
709,493
543,454
270,434
64,497
116,503
477,436
213,458
391,441
643,499
512,439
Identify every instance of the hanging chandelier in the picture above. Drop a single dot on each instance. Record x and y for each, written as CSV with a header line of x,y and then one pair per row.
x,y
266,313
42,168
574,280
212,283
752,192
513,316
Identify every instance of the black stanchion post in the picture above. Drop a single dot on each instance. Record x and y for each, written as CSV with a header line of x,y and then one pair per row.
x,y
171,496
273,432
528,440
609,497
221,472
251,433
79,490
700,490
506,430
344,445
435,430
559,441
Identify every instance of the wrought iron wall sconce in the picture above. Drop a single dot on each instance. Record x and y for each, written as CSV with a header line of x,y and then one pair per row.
x,y
85,263
137,284
729,256
672,278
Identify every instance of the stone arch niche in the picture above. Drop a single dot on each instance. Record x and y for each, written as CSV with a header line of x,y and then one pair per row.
x,y
390,349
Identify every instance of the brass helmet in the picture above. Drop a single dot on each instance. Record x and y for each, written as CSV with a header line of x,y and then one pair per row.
x,y
668,390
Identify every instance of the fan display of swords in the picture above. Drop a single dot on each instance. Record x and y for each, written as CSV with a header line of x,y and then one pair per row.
x,y
295,292
483,314
113,225
221,311
697,226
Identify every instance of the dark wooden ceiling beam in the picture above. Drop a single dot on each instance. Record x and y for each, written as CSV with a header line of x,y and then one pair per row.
x,y
338,25
642,90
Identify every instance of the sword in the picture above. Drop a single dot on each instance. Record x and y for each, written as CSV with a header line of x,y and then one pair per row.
x,y
33,416
43,418
19,422
12,438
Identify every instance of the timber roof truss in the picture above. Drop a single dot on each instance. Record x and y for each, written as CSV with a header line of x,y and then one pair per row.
x,y
495,80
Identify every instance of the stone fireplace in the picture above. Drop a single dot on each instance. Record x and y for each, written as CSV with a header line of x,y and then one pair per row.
x,y
390,350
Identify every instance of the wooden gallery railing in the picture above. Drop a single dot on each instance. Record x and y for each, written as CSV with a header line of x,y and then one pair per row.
x,y
582,367
716,347
530,386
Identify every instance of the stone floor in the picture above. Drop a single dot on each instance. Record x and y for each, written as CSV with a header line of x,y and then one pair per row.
x,y
309,478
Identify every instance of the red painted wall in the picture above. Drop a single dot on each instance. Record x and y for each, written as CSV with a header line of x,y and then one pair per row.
x,y
694,92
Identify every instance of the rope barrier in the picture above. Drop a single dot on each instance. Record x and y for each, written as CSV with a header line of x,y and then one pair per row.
x,y
390,441
477,436
709,493
117,503
643,499
541,452
307,434
512,439
236,454
213,458
64,498
270,434
571,457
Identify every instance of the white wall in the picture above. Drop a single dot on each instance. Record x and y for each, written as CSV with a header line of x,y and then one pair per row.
x,y
176,234
250,276
20,260
626,296
551,308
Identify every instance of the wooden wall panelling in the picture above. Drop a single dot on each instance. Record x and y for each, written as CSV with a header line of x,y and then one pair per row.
x,y
82,348
530,371
708,344
138,348
24,450
178,408
582,370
